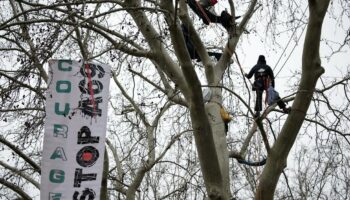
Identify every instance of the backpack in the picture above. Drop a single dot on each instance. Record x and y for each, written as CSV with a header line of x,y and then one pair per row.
x,y
225,115
272,95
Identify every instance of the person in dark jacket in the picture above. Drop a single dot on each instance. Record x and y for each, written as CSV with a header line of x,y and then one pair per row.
x,y
191,49
263,78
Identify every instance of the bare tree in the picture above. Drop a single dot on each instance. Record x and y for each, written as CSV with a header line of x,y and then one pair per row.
x,y
164,141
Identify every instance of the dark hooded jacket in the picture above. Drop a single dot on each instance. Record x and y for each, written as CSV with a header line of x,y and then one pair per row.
x,y
261,69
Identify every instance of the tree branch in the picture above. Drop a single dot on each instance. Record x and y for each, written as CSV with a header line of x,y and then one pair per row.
x,y
21,154
21,174
15,188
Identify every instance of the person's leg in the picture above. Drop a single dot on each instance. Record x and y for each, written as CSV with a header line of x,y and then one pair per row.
x,y
199,10
282,105
190,48
259,89
225,19
208,16
258,102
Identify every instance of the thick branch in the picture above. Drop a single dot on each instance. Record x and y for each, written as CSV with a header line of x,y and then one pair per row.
x,y
120,171
154,40
311,71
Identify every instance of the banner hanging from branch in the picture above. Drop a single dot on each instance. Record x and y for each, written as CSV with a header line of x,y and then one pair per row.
x,y
75,130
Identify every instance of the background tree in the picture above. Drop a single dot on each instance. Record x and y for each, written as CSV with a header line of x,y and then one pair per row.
x,y
164,142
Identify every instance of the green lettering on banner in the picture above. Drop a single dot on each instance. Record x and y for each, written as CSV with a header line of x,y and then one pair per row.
x,y
55,196
56,176
60,129
66,109
58,153
60,65
61,89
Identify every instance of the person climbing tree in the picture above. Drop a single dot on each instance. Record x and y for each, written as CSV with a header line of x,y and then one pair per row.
x,y
191,49
264,77
204,9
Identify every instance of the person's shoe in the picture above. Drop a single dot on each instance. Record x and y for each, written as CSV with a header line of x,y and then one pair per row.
x,y
226,19
287,110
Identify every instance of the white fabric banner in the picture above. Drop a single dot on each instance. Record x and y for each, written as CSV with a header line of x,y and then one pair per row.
x,y
75,130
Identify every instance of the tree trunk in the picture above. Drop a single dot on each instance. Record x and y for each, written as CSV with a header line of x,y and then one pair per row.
x,y
207,154
220,142
104,188
311,71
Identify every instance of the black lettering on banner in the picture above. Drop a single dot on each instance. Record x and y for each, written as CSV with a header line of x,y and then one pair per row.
x,y
84,136
87,156
93,68
90,109
97,87
86,193
80,177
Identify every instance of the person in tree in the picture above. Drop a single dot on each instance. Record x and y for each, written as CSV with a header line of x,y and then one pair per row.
x,y
204,9
191,49
264,78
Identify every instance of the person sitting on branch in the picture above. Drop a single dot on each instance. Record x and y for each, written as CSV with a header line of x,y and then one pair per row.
x,y
204,9
264,77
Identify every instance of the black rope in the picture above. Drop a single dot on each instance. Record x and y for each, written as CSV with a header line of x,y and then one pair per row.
x,y
290,39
